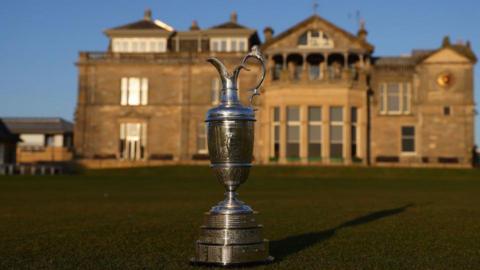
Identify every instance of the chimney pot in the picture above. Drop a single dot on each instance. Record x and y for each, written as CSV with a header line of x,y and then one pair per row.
x,y
233,17
147,15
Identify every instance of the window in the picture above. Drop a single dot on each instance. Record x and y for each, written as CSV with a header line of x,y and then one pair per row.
x,y
132,141
298,71
353,130
275,153
408,139
314,132
216,87
277,71
202,139
446,110
241,45
395,98
315,39
49,140
293,132
223,45
336,132
215,46
139,45
314,72
228,44
134,91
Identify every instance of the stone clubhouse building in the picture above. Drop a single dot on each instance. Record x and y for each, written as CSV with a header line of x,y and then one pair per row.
x,y
326,100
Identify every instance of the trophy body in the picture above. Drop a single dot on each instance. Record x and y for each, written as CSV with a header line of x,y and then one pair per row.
x,y
230,234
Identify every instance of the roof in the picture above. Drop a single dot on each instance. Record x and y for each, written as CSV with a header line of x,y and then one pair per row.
x,y
311,19
394,61
144,25
461,49
229,25
5,134
44,125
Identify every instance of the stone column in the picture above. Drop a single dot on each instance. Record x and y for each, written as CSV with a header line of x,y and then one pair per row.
x,y
347,135
177,44
325,68
305,67
304,134
199,43
283,134
345,71
362,134
271,68
285,74
325,134
291,70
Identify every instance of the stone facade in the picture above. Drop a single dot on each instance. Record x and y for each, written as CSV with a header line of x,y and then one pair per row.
x,y
326,99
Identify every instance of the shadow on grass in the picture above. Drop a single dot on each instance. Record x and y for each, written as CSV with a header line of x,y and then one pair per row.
x,y
282,248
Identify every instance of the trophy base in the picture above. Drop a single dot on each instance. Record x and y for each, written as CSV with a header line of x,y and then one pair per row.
x,y
231,240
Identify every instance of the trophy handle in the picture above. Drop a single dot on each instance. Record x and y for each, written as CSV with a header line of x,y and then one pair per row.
x,y
256,54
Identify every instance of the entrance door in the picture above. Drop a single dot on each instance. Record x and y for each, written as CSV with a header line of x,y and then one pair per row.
x,y
132,136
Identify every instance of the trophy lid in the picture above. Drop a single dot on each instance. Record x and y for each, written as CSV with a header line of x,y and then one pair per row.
x,y
230,107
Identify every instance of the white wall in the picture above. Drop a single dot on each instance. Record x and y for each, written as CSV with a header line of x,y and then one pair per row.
x,y
32,140
58,140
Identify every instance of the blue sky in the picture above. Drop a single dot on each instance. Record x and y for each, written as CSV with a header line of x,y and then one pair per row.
x,y
40,40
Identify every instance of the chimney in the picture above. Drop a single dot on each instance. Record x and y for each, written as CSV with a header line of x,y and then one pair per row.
x,y
194,26
268,33
446,41
147,15
362,32
233,17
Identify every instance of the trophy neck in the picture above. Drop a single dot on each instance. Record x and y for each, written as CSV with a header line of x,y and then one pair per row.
x,y
229,96
231,205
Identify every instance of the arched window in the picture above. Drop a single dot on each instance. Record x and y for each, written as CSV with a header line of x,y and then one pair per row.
x,y
315,39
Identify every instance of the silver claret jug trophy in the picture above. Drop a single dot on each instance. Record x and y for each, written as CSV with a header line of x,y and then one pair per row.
x,y
230,234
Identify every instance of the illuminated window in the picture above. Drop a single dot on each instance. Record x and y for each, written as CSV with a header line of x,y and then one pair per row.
x,y
134,91
133,138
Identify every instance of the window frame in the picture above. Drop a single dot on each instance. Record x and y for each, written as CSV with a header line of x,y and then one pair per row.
x,y
404,98
294,123
314,123
411,137
125,91
240,44
274,126
336,123
202,136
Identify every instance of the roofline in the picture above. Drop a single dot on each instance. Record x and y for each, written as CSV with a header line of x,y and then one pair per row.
x,y
349,35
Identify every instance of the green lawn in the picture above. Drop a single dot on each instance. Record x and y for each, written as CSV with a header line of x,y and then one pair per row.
x,y
316,218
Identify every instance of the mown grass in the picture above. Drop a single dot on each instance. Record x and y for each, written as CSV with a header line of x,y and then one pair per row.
x,y
316,218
